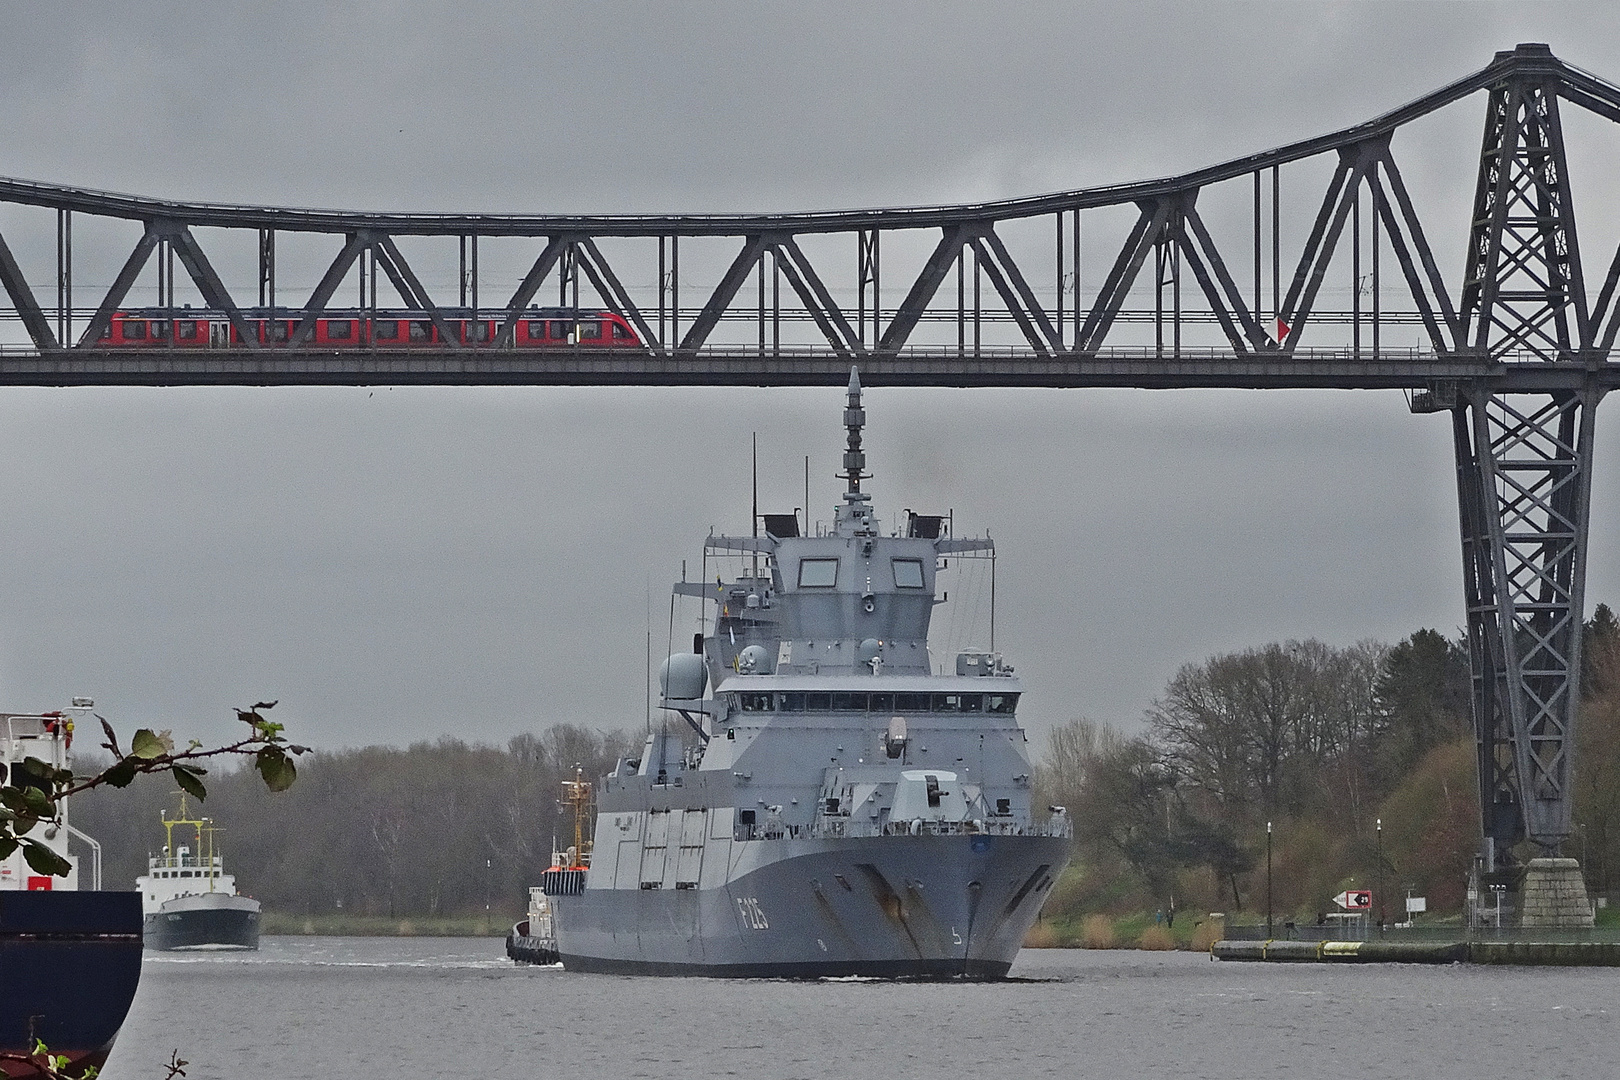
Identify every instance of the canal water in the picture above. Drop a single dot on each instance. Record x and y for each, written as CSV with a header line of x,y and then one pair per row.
x,y
432,1007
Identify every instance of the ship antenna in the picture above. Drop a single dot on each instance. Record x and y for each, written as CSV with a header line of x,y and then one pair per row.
x,y
854,459
756,506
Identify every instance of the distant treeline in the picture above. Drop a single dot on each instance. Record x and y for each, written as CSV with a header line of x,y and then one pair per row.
x,y
429,830
1323,743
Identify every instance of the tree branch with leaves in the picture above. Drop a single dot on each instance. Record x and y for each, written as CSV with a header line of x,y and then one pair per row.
x,y
33,789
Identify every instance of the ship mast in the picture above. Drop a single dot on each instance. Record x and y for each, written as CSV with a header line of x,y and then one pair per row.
x,y
855,516
577,796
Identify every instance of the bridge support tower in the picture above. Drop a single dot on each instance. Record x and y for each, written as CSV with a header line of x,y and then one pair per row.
x,y
1524,478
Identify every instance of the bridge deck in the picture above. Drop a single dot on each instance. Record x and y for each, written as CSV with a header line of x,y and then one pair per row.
x,y
1325,369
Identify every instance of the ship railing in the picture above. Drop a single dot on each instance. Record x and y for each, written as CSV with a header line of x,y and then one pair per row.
x,y
845,829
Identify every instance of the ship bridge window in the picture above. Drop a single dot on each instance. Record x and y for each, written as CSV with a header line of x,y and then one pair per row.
x,y
793,702
907,573
947,702
757,702
849,702
911,702
881,703
818,573
817,702
1001,703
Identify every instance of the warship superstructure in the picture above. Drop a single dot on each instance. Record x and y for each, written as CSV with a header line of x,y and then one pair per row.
x,y
821,800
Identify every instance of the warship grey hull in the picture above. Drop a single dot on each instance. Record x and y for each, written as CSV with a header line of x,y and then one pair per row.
x,y
955,906
823,797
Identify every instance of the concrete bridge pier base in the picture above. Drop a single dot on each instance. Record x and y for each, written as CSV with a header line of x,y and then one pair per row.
x,y
1553,896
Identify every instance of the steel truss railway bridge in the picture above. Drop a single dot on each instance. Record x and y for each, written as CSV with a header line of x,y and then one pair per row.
x,y
1518,350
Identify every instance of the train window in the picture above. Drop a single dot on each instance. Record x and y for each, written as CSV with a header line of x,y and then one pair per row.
x,y
1001,703
622,333
134,329
279,330
911,703
590,330
537,329
479,332
849,703
817,702
385,329
421,330
188,330
160,331
907,573
818,573
339,330
560,330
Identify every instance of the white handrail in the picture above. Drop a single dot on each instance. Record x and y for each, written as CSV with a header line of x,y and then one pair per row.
x,y
95,856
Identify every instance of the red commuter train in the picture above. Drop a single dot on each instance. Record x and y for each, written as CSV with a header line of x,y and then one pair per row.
x,y
537,328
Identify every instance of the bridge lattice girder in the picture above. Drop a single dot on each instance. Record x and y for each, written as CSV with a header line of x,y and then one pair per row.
x,y
1518,353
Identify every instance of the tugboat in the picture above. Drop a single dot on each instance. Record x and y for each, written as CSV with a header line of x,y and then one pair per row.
x,y
71,955
534,940
188,900
821,800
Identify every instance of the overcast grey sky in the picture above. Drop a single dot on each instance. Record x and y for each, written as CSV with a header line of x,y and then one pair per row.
x,y
397,564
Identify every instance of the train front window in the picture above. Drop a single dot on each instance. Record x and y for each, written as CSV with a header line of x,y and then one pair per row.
x,y
622,333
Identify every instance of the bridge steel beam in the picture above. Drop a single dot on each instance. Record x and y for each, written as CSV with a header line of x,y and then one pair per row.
x,y
1516,354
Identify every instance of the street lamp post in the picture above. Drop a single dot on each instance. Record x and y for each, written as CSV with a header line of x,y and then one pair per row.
x,y
1268,880
1382,912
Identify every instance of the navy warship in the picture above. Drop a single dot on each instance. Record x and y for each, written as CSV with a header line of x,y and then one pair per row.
x,y
820,801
